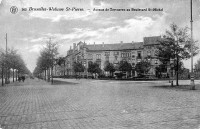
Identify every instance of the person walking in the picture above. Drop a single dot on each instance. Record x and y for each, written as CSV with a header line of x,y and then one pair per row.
x,y
23,78
19,79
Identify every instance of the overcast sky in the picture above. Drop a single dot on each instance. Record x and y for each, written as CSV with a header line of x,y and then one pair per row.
x,y
29,30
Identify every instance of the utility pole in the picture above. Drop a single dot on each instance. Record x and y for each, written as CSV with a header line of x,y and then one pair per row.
x,y
2,70
6,72
192,73
51,69
177,60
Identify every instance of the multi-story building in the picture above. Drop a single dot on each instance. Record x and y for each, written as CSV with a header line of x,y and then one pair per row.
x,y
132,52
150,49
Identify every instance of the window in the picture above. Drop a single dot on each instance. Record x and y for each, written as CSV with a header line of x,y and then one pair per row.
x,y
107,53
122,54
139,54
98,56
115,57
126,54
148,47
116,53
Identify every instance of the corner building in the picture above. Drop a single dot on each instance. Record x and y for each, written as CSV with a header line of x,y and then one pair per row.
x,y
132,52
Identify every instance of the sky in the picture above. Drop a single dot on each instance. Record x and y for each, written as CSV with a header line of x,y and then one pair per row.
x,y
29,30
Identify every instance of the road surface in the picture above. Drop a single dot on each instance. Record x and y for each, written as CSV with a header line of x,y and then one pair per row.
x,y
98,104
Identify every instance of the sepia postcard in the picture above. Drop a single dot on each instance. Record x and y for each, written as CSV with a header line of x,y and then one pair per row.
x,y
106,64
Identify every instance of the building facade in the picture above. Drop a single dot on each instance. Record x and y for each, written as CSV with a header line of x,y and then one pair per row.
x,y
132,52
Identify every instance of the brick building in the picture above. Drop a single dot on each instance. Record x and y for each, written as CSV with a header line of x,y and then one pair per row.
x,y
132,52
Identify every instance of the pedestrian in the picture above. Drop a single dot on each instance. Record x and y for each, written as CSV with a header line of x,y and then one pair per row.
x,y
23,78
19,79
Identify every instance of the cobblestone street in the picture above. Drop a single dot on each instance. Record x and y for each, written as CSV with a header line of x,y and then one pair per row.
x,y
97,104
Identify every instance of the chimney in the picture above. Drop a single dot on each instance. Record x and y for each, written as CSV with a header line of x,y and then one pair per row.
x,y
70,47
94,43
132,42
103,44
74,45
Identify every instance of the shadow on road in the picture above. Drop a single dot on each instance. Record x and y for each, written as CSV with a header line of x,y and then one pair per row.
x,y
57,82
180,87
38,82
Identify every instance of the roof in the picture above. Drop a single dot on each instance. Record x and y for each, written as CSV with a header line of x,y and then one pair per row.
x,y
115,46
151,40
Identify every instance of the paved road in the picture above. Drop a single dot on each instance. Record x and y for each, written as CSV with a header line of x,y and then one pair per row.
x,y
96,104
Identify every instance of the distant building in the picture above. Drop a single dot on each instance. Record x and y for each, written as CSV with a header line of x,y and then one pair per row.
x,y
132,52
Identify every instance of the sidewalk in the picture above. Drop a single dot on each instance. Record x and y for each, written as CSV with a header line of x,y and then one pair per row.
x,y
11,81
157,82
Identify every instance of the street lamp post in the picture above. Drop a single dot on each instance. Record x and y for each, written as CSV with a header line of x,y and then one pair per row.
x,y
171,74
6,69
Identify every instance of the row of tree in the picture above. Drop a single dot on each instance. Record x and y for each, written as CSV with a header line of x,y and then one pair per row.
x,y
11,61
141,68
46,61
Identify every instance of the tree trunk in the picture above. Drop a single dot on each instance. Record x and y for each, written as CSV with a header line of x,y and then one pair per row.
x,y
45,74
2,70
64,69
48,71
16,75
13,75
51,75
177,78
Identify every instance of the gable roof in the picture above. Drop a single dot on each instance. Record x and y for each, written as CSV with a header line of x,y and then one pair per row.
x,y
115,47
151,40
